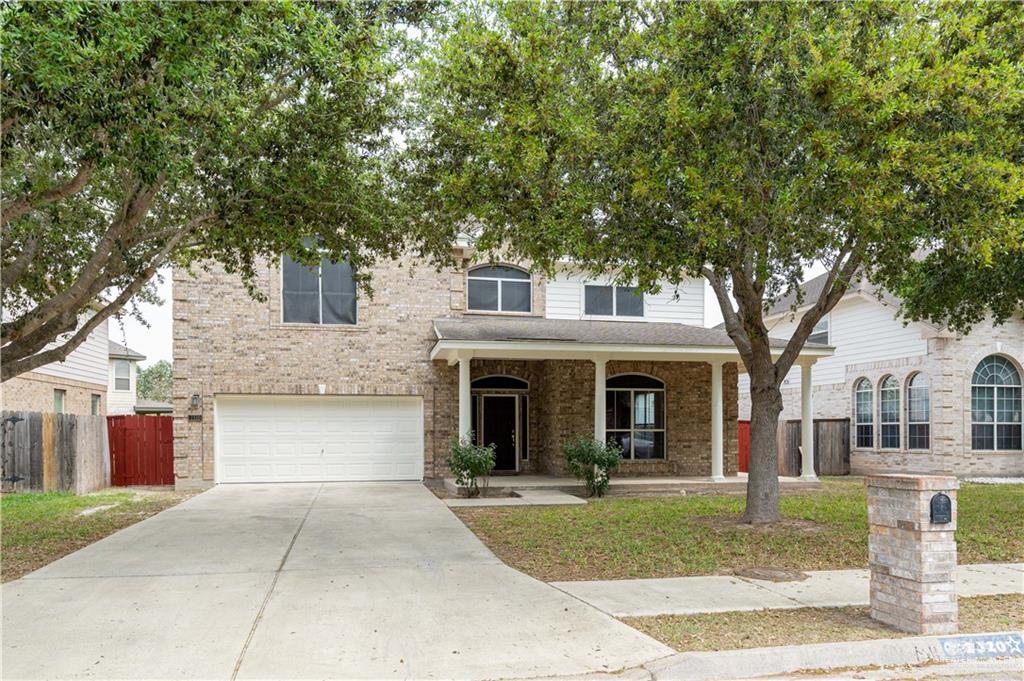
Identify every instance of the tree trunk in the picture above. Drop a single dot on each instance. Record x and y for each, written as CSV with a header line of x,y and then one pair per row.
x,y
763,476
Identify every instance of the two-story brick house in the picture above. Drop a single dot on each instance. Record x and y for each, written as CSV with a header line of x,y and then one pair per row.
x,y
321,382
920,398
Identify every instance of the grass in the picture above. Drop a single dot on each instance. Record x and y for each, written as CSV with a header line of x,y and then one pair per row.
x,y
623,538
40,528
763,628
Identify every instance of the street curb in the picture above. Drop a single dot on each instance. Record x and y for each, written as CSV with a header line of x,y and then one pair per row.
x,y
754,662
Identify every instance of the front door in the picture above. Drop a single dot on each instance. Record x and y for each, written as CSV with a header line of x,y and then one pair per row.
x,y
499,429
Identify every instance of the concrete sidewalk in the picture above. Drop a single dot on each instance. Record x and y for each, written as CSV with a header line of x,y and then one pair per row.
x,y
824,589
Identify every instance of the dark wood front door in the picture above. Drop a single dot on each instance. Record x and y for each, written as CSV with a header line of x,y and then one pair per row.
x,y
499,429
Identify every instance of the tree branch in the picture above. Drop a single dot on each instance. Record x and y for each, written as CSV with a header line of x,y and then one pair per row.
x,y
13,271
12,369
733,326
26,203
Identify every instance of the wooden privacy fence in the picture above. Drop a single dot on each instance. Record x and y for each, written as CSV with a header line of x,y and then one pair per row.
x,y
831,447
44,452
141,450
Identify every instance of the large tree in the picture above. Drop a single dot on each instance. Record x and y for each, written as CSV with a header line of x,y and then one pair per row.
x,y
140,133
739,142
156,382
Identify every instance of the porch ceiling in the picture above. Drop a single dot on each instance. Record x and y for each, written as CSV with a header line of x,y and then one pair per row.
x,y
492,337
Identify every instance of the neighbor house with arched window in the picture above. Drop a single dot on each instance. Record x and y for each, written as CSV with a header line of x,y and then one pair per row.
x,y
920,398
315,380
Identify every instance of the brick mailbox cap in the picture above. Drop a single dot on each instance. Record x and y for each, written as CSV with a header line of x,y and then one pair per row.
x,y
917,482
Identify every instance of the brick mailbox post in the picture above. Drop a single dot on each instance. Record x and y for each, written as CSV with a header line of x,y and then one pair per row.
x,y
912,552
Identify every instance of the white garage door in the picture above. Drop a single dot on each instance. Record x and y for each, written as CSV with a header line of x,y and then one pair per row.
x,y
309,439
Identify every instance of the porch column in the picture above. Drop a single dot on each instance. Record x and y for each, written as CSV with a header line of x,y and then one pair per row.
x,y
599,395
465,405
717,450
806,424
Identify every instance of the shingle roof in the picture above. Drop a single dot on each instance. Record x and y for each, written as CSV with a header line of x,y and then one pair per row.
x,y
487,328
118,351
144,406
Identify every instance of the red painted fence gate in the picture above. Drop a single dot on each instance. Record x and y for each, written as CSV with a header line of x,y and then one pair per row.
x,y
141,450
744,442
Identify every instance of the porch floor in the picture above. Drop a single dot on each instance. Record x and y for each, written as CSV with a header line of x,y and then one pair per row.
x,y
504,485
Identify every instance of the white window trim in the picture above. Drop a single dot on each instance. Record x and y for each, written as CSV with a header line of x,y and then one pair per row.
x,y
995,423
613,317
899,418
128,363
319,300
906,409
632,421
528,281
856,413
827,318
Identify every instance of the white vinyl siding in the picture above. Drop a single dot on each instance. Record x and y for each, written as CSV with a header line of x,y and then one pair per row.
x,y
861,331
86,363
122,401
564,300
279,438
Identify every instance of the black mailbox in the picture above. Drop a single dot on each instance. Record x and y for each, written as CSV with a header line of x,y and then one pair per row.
x,y
942,509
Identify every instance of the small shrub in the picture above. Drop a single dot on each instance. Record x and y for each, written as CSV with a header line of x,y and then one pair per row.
x,y
592,462
468,462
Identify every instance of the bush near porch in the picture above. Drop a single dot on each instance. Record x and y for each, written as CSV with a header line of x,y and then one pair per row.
x,y
620,538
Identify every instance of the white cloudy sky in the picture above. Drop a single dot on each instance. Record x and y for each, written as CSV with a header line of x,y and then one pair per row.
x,y
154,342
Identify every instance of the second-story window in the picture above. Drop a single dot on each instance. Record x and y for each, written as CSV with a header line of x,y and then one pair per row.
x,y
325,294
819,334
122,374
499,289
612,301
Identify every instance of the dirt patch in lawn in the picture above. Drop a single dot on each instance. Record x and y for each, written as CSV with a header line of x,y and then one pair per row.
x,y
765,628
37,529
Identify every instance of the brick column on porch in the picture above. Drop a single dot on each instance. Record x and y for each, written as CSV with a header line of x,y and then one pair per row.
x,y
912,559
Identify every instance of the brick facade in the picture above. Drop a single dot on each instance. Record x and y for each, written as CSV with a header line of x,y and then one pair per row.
x,y
225,342
912,560
32,391
949,364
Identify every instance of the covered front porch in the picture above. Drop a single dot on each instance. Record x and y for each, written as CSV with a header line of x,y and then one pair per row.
x,y
666,393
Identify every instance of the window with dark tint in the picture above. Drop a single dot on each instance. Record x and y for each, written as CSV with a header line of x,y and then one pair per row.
x,y
612,301
635,415
524,427
317,295
918,412
996,405
499,383
889,413
499,289
863,414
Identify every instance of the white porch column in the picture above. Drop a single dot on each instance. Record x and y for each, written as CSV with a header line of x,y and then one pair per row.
x,y
465,405
806,424
599,398
717,449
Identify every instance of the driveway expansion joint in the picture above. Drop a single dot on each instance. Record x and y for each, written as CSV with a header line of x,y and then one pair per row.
x,y
273,584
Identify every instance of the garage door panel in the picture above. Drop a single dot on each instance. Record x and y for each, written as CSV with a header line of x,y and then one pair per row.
x,y
293,439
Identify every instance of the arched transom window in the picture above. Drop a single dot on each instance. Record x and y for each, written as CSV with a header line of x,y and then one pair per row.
x,y
496,288
889,413
918,412
996,405
635,415
863,414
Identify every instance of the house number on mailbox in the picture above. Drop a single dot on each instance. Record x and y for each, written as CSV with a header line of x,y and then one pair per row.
x,y
942,509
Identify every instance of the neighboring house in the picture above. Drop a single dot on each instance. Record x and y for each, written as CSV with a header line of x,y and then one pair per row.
x,y
78,385
320,382
123,377
153,407
908,389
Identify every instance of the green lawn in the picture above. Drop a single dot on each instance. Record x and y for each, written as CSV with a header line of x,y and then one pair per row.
x,y
620,538
36,529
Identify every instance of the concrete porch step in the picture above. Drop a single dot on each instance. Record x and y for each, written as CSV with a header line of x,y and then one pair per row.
x,y
525,497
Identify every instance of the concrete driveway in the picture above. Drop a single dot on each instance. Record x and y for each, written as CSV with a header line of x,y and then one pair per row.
x,y
366,581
